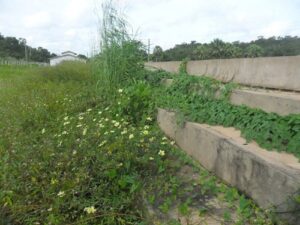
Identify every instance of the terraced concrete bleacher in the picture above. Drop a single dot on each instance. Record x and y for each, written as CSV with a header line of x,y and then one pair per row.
x,y
271,178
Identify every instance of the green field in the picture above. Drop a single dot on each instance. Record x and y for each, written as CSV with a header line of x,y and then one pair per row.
x,y
72,155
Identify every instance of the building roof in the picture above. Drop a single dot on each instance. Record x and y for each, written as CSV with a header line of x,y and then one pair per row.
x,y
62,56
68,52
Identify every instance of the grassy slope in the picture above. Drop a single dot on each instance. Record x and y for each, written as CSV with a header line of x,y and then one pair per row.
x,y
64,148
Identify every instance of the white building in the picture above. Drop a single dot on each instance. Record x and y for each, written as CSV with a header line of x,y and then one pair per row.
x,y
65,56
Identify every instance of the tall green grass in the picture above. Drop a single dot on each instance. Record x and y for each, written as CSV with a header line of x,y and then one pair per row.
x,y
32,98
120,59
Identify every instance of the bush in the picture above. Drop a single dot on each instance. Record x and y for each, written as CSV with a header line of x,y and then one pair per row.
x,y
137,102
66,71
121,58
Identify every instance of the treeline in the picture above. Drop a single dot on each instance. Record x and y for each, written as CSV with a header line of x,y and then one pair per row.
x,y
11,47
218,49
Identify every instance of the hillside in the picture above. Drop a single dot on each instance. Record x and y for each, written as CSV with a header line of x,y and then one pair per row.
x,y
11,47
218,49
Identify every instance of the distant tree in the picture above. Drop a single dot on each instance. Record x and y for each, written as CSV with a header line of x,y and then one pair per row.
x,y
233,51
82,56
218,49
11,47
254,50
273,46
203,52
40,54
157,54
141,49
23,42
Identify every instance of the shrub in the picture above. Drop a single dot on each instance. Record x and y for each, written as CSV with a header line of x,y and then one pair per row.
x,y
66,71
121,58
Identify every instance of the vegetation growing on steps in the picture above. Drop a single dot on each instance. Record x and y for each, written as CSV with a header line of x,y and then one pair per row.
x,y
195,98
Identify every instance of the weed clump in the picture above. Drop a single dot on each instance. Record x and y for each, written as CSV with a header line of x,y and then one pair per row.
x,y
120,59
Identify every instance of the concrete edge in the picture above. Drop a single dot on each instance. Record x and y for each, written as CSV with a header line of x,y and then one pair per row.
x,y
280,102
269,178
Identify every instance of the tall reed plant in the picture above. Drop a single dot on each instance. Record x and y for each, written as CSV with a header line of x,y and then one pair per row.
x,y
120,58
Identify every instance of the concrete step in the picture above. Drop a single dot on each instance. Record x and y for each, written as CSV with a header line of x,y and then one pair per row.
x,y
270,178
280,102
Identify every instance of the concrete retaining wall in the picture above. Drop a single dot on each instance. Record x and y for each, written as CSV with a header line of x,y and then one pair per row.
x,y
172,66
270,178
280,102
270,72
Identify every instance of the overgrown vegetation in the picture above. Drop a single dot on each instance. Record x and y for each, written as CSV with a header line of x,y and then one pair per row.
x,y
72,156
73,152
121,57
183,66
195,98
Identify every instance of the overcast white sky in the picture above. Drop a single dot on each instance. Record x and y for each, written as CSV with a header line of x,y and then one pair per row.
x,y
60,25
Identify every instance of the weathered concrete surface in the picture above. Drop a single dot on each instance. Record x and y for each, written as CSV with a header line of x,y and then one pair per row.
x,y
282,103
270,178
172,66
271,72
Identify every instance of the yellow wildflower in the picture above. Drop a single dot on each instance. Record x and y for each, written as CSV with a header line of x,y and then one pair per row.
x,y
54,181
90,210
161,152
61,194
84,131
124,132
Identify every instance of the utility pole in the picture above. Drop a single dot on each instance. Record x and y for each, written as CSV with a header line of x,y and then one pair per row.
x,y
149,50
29,57
26,53
23,41
26,50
